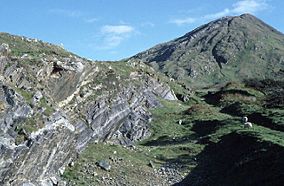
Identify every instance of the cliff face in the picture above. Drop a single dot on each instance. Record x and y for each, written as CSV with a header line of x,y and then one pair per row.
x,y
54,103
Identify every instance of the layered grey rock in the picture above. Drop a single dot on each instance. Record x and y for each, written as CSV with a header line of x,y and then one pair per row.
x,y
53,107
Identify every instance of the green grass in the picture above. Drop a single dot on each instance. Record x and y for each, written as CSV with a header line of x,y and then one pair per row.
x,y
20,47
121,68
265,134
30,124
26,94
48,109
167,133
165,125
166,119
96,152
171,143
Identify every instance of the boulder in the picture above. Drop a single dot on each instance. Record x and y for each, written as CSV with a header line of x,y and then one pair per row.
x,y
104,164
4,49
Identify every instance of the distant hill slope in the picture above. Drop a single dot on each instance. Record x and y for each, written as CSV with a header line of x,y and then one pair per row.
x,y
230,48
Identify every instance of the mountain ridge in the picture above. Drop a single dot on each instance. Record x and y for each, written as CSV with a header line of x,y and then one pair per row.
x,y
220,44
66,120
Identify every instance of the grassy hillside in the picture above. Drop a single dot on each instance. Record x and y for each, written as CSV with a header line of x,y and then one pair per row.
x,y
224,50
33,47
202,140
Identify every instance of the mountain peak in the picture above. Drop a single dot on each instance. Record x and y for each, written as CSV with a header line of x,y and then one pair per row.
x,y
246,15
229,48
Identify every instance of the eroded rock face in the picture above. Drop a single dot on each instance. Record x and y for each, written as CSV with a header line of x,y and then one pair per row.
x,y
39,154
4,49
52,107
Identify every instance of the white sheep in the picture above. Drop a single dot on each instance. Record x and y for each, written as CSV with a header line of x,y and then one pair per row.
x,y
246,123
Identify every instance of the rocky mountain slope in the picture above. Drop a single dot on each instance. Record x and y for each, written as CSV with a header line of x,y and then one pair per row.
x,y
230,48
54,103
66,120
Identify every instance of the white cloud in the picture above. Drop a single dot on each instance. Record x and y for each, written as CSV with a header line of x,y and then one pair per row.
x,y
112,41
117,29
249,6
113,35
183,21
218,14
91,20
83,16
147,24
240,7
66,13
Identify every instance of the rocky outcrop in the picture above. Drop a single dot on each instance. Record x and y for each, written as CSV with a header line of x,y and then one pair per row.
x,y
41,153
4,49
53,106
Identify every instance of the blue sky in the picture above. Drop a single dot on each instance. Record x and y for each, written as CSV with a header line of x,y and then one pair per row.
x,y
116,29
